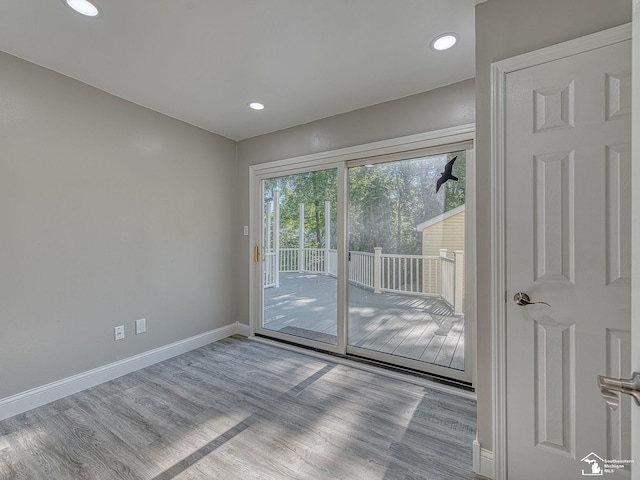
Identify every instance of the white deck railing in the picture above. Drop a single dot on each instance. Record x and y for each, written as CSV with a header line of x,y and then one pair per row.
x,y
410,274
332,268
314,260
270,273
361,269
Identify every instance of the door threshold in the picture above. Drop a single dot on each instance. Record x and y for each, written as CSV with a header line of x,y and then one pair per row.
x,y
427,380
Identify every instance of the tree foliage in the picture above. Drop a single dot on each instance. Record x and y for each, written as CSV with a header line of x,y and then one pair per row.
x,y
386,203
312,189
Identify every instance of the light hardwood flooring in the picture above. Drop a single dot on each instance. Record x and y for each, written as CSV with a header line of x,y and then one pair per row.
x,y
241,409
410,326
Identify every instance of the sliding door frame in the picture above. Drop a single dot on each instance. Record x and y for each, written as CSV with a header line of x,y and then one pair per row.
x,y
431,368
257,294
341,159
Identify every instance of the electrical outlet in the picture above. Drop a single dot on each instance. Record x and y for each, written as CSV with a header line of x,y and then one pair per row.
x,y
118,333
141,326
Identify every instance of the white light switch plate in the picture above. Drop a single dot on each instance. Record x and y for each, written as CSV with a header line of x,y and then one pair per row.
x,y
141,326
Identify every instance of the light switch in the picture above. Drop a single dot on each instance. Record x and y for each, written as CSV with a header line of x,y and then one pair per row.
x,y
141,326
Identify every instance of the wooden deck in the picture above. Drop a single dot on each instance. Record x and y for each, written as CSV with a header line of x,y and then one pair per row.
x,y
415,327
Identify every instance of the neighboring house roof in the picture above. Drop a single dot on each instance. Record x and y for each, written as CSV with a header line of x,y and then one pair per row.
x,y
440,218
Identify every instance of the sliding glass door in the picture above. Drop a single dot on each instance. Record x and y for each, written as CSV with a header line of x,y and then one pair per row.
x,y
299,257
406,261
367,258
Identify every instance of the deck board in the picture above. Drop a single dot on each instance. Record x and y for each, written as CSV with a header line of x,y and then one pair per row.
x,y
433,349
410,326
445,356
393,337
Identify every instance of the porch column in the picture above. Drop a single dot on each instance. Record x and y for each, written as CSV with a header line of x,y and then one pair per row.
x,y
459,282
276,236
268,222
266,248
301,240
377,270
327,235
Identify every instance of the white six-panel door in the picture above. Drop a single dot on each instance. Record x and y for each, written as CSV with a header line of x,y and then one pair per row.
x,y
567,163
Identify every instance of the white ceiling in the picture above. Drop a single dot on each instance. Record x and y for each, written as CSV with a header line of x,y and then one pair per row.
x,y
203,61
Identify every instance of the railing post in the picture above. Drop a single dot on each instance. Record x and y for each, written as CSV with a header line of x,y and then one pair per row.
x,y
301,240
269,267
327,234
377,269
443,254
459,282
440,281
426,275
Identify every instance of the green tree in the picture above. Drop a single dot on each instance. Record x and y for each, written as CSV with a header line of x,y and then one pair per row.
x,y
455,191
312,189
386,202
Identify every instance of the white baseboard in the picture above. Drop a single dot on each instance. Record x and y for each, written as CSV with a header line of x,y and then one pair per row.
x,y
482,460
243,329
39,396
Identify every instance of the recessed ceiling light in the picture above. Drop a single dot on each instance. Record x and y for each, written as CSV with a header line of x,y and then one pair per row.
x,y
83,7
256,105
444,41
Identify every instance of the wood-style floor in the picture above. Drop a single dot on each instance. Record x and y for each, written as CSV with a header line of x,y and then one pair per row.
x,y
410,326
241,409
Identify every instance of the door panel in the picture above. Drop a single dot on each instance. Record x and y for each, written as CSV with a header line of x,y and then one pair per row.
x,y
406,263
568,244
299,274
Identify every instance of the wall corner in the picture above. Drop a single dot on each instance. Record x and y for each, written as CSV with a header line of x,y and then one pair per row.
x,y
482,461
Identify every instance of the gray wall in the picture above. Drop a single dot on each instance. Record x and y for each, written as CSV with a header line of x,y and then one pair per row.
x,y
448,106
109,212
505,28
